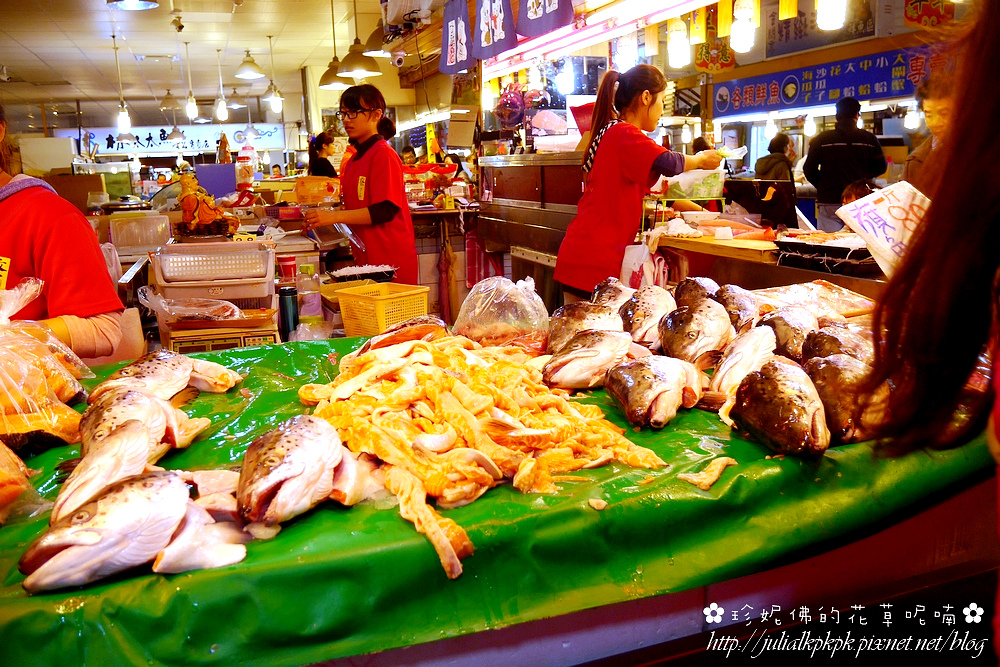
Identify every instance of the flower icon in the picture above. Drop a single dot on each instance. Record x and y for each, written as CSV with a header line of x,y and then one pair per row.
x,y
713,613
973,613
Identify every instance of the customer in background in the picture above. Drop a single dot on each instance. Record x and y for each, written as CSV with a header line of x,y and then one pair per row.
x,y
934,98
44,236
777,164
320,150
857,190
453,158
409,155
276,171
700,144
837,158
622,164
938,312
375,203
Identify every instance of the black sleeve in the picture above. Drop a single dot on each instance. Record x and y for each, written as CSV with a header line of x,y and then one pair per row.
x,y
322,167
382,212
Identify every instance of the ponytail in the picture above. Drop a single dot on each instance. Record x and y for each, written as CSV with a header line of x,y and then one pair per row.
x,y
604,107
4,147
614,99
386,128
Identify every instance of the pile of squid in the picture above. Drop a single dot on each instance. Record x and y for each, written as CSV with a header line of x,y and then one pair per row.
x,y
787,374
444,418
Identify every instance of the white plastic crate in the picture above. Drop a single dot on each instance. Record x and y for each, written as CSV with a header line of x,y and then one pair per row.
x,y
239,272
139,234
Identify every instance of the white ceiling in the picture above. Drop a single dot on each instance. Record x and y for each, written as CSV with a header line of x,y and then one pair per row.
x,y
58,52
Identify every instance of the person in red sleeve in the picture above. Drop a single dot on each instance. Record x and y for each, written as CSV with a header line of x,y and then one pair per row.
x,y
623,164
375,203
44,236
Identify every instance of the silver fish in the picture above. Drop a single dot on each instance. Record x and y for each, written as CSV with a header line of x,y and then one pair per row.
x,y
791,325
692,290
831,340
780,407
584,360
288,470
742,306
164,373
611,292
642,313
128,524
696,333
650,390
572,318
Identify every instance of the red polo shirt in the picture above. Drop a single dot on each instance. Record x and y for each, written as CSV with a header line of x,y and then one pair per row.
x,y
609,214
373,175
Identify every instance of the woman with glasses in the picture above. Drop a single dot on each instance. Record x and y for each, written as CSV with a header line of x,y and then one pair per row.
x,y
320,150
375,203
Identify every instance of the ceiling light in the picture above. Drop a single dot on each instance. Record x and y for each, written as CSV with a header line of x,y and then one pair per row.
x,y
273,95
770,128
356,64
861,123
810,126
169,102
201,120
133,5
192,106
373,45
678,46
911,120
221,110
124,122
249,69
176,136
686,137
565,80
236,101
831,14
741,36
330,79
250,132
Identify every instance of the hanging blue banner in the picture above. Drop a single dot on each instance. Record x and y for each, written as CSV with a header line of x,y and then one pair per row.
x,y
538,17
494,29
455,38
878,76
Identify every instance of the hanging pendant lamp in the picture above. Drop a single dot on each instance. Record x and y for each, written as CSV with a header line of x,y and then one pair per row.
x,y
249,69
272,95
221,110
374,45
191,108
236,101
250,132
124,120
330,79
356,64
169,102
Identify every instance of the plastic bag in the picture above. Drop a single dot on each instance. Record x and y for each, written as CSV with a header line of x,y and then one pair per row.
x,y
312,331
499,311
175,310
697,184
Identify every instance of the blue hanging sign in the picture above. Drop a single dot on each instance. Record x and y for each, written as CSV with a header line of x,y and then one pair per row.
x,y
539,17
494,32
878,76
455,38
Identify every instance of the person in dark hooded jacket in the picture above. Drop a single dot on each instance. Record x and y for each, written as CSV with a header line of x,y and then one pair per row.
x,y
777,164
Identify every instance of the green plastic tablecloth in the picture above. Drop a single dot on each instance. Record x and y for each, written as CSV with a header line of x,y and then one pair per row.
x,y
338,581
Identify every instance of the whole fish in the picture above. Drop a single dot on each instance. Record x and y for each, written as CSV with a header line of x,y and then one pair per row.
x,y
742,306
692,290
164,373
642,312
837,378
650,390
831,340
288,470
611,292
126,525
791,325
584,360
696,333
746,354
573,318
780,407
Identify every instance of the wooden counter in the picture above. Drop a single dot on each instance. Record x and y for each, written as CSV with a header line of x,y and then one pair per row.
x,y
763,252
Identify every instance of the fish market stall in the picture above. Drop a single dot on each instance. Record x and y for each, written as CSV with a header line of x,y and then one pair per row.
x,y
342,581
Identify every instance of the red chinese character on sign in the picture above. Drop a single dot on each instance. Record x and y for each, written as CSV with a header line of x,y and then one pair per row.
x,y
774,97
916,67
761,93
748,96
736,98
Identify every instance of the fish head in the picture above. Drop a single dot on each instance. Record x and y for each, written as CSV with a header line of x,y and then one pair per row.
x,y
125,525
692,331
650,390
584,360
163,373
611,292
747,353
572,318
742,306
692,290
288,470
791,325
118,405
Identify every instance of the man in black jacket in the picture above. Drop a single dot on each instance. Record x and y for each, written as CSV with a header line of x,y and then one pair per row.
x,y
837,158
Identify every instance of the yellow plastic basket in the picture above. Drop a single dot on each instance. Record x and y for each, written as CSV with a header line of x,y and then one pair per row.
x,y
369,310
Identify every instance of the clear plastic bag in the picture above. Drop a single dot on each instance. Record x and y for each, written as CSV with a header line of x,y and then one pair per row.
x,y
312,331
501,312
176,310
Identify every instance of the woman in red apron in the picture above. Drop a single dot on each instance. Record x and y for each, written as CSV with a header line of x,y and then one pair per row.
x,y
375,203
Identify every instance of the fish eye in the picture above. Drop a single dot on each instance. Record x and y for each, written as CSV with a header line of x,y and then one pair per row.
x,y
272,461
692,334
81,516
